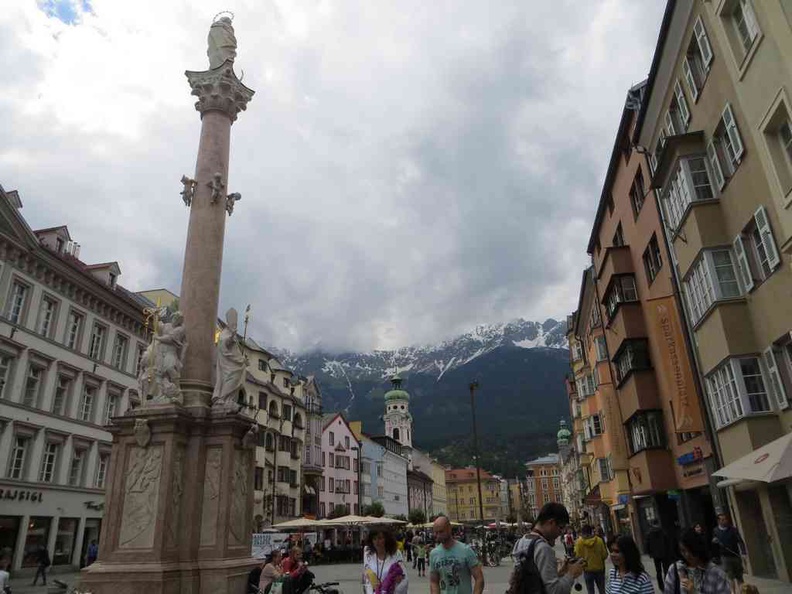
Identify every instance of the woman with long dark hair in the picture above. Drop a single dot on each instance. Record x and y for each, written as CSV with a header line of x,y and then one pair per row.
x,y
627,575
383,563
695,574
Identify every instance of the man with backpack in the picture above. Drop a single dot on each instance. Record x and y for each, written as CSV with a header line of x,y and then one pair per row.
x,y
536,569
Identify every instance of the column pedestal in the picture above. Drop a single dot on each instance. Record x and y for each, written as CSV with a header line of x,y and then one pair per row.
x,y
180,503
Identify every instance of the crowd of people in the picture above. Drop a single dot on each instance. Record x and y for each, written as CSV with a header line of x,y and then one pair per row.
x,y
691,563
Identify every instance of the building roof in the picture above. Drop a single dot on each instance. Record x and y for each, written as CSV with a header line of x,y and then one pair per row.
x,y
549,459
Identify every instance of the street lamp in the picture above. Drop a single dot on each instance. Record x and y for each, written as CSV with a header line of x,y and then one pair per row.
x,y
473,386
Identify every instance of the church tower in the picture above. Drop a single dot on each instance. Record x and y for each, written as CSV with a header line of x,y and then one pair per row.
x,y
398,420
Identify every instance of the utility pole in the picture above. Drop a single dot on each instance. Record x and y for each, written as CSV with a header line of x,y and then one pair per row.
x,y
473,386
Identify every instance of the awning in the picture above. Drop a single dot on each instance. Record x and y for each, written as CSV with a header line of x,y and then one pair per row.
x,y
768,464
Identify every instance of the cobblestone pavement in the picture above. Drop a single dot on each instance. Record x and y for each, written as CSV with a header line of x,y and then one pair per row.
x,y
348,575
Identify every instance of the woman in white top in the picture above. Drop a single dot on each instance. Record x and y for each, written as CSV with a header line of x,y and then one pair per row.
x,y
379,555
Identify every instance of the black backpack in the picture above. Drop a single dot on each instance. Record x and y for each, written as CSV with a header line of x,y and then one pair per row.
x,y
526,579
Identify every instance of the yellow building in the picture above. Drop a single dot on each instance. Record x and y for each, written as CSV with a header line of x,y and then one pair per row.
x,y
463,500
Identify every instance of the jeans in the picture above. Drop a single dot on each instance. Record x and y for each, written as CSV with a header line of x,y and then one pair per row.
x,y
661,567
41,571
594,577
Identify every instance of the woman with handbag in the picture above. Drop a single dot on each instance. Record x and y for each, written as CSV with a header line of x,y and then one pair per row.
x,y
695,573
383,564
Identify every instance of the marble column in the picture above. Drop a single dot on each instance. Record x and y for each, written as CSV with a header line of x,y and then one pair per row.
x,y
221,96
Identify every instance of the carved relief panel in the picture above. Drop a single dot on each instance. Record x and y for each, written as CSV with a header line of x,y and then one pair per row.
x,y
141,496
211,496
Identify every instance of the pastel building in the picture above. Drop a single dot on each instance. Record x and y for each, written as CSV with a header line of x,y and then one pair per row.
x,y
341,455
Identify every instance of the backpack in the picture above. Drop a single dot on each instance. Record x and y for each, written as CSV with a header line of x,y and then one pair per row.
x,y
526,579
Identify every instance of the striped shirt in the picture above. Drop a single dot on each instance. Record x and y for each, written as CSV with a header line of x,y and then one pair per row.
x,y
631,583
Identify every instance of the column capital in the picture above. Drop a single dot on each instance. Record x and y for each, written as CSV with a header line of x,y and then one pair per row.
x,y
219,89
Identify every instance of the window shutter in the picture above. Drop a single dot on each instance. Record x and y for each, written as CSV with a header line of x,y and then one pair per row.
x,y
715,165
775,378
669,124
690,79
733,132
763,224
703,42
750,18
742,264
684,112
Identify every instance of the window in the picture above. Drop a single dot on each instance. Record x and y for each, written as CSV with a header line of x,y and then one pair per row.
x,y
332,438
16,467
745,25
737,388
18,301
346,441
331,484
577,351
63,390
96,347
287,412
602,348
269,442
785,140
679,108
654,157
323,459
594,317
710,279
111,406
604,469
6,361
49,462
284,443
262,400
652,259
618,237
76,468
632,356
638,193
757,256
273,410
101,471
285,382
332,459
727,144
86,403
586,386
645,430
594,425
556,484
690,182
697,60
774,362
621,290
74,327
262,365
32,386
47,314
120,352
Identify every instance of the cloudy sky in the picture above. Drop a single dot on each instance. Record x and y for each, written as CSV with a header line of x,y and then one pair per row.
x,y
408,168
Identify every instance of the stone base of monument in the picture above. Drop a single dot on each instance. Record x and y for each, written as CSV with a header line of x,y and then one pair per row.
x,y
179,501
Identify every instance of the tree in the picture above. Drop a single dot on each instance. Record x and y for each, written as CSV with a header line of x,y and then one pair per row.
x,y
417,517
375,509
337,512
526,516
511,518
400,517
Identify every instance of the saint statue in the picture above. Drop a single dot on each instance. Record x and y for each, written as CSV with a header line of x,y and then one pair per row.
x,y
222,42
163,360
231,363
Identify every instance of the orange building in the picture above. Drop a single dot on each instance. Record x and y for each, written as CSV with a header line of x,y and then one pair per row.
x,y
463,500
542,482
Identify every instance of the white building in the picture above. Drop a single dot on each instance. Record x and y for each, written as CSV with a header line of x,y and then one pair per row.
x,y
394,476
70,339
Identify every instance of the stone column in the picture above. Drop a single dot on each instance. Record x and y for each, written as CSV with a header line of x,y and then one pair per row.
x,y
221,96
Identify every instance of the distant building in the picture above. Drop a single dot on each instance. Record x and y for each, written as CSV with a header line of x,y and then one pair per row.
x,y
340,459
70,342
463,499
542,482
394,476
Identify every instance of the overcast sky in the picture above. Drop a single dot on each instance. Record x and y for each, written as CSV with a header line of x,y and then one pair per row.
x,y
408,168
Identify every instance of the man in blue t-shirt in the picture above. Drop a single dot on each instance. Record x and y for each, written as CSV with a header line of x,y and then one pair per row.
x,y
452,564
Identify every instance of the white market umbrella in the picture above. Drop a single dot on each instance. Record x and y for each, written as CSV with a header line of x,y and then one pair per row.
x,y
387,521
350,520
298,523
768,464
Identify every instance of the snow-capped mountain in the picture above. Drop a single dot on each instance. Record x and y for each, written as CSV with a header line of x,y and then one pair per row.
x,y
435,359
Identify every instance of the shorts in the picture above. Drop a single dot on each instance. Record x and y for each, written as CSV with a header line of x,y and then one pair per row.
x,y
733,567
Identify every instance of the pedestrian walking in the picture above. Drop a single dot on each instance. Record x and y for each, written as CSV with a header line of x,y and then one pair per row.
x,y
695,573
536,570
627,576
656,545
569,542
92,553
383,564
43,562
730,548
591,549
419,553
452,564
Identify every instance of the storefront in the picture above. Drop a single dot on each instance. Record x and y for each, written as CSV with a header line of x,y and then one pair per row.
x,y
57,519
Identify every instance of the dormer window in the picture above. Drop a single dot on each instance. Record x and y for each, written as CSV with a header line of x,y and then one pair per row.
x,y
59,245
113,280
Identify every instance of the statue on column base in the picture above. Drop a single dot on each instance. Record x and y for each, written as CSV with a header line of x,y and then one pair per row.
x,y
163,362
230,367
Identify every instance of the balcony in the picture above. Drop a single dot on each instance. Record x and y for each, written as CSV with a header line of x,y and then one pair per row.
x,y
342,490
702,226
627,322
310,468
727,330
617,260
652,470
638,392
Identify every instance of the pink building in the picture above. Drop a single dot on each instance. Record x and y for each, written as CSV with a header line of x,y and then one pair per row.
x,y
340,455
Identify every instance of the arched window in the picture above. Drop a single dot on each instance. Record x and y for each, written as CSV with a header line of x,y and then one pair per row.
x,y
269,442
396,434
273,409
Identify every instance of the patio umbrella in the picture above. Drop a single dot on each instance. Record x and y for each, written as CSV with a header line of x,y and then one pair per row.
x,y
296,524
350,520
387,521
768,464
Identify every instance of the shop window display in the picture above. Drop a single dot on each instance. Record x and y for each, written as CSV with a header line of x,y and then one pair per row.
x,y
37,536
64,541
